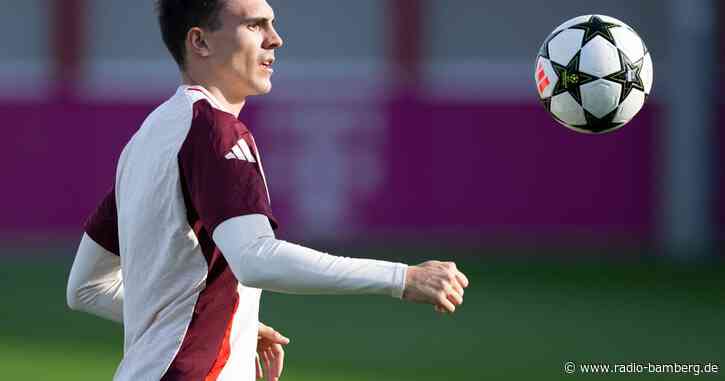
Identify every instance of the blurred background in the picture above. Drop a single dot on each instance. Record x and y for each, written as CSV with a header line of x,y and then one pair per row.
x,y
398,129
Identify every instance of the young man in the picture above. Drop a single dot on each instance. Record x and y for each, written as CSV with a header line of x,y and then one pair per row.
x,y
180,249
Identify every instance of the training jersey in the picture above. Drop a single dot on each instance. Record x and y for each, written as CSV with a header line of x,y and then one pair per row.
x,y
191,166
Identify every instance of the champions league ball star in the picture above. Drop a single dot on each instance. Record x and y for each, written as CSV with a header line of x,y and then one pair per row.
x,y
593,74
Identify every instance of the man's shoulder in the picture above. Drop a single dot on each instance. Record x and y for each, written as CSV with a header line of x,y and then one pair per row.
x,y
211,125
159,136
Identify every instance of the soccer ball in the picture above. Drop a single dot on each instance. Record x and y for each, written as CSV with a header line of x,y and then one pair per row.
x,y
593,74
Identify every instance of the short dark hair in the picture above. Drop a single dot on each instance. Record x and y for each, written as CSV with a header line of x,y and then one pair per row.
x,y
176,17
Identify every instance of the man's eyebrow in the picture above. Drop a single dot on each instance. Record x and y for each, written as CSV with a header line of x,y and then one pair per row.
x,y
257,20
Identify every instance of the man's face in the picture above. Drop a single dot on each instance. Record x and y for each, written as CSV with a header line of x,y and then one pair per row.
x,y
243,48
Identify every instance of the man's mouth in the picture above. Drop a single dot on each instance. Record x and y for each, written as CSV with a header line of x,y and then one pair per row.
x,y
267,65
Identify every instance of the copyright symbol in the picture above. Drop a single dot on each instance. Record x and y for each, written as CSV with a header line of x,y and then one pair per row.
x,y
569,367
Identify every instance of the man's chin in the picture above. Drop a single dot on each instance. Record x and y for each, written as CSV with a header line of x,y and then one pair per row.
x,y
264,85
262,90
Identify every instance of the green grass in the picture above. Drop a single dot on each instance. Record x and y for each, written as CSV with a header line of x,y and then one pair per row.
x,y
520,321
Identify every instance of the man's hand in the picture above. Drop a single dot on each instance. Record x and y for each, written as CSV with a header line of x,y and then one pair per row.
x,y
436,283
270,352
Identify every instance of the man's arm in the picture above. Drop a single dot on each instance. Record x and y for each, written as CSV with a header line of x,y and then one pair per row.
x,y
95,284
260,260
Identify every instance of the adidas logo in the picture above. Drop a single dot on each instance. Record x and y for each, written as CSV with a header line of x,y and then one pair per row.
x,y
240,151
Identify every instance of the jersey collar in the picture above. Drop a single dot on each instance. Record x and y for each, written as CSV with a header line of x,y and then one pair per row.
x,y
198,91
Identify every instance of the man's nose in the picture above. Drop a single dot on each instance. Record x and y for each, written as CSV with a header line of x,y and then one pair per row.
x,y
274,40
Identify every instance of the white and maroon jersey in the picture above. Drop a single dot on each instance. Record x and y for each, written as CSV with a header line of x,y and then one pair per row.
x,y
189,167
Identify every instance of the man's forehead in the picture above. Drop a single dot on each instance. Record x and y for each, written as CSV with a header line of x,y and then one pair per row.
x,y
250,8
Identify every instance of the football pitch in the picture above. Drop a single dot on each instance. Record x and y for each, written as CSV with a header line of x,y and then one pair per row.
x,y
521,320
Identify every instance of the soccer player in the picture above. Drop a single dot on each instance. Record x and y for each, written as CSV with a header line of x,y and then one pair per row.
x,y
180,249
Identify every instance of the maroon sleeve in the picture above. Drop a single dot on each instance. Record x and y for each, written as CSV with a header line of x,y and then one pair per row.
x,y
218,184
102,224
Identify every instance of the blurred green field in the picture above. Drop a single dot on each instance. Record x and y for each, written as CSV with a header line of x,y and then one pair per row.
x,y
521,320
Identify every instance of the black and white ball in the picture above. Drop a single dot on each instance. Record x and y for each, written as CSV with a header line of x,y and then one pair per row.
x,y
593,73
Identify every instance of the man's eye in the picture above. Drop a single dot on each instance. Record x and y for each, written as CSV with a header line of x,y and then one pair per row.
x,y
254,26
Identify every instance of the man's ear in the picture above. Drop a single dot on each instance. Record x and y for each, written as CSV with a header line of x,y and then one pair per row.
x,y
197,43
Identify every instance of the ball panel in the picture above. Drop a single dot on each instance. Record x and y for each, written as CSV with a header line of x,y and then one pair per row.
x,y
612,20
574,128
647,73
599,58
567,110
629,42
545,77
630,107
601,125
565,45
600,97
574,21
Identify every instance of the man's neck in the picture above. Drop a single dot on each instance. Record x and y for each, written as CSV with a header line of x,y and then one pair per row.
x,y
230,104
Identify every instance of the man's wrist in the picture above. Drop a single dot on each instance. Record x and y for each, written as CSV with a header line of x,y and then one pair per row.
x,y
399,280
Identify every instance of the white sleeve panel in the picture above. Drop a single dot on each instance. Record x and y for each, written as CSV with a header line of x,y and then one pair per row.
x,y
95,284
260,260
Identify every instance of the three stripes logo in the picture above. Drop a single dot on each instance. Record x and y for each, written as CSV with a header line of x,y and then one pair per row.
x,y
542,81
240,151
